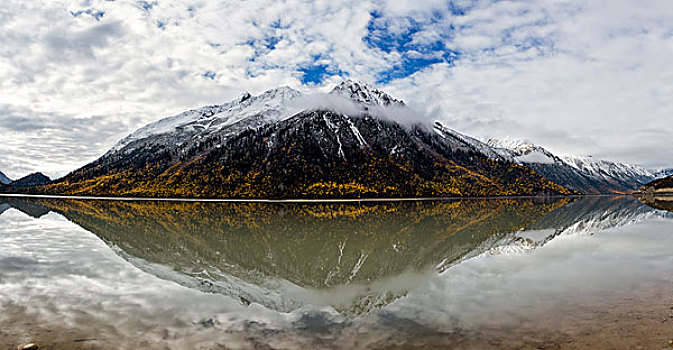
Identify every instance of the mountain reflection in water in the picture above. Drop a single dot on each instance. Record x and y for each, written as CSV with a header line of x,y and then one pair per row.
x,y
354,257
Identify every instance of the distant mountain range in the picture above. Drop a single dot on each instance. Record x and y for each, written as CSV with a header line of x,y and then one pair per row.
x,y
4,180
32,180
661,173
582,174
357,141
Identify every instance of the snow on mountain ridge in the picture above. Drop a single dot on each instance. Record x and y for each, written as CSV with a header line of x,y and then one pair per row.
x,y
365,93
273,103
510,143
605,168
471,143
577,172
662,172
349,97
524,151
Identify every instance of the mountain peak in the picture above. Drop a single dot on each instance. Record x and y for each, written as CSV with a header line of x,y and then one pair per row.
x,y
276,97
283,91
662,172
524,151
215,117
365,93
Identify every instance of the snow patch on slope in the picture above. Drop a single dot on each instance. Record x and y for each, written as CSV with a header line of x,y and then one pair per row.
x,y
335,130
511,143
471,143
606,169
356,132
534,157
273,104
524,151
662,173
364,93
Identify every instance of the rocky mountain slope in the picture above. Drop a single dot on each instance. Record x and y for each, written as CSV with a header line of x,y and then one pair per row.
x,y
354,142
583,174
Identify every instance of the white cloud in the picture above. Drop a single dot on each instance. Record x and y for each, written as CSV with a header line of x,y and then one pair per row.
x,y
595,80
579,76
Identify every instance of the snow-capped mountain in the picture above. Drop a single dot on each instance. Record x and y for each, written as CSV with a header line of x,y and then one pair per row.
x,y
662,173
283,143
470,144
583,174
523,151
348,143
246,112
4,180
609,170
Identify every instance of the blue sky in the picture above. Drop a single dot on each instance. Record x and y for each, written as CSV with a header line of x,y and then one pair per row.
x,y
577,76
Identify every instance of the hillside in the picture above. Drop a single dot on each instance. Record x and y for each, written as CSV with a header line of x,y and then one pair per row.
x,y
659,186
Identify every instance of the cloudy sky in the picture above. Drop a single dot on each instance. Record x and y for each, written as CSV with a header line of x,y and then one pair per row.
x,y
577,76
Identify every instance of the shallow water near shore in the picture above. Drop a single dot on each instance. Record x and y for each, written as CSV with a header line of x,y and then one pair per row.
x,y
591,272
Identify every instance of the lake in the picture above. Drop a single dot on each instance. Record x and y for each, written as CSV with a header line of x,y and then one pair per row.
x,y
571,273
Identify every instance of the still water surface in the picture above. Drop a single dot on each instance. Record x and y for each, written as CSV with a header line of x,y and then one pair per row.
x,y
492,273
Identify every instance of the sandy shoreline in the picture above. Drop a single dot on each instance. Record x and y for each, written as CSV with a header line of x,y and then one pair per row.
x,y
626,321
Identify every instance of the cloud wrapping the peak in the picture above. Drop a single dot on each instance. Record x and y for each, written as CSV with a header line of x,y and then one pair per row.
x,y
577,76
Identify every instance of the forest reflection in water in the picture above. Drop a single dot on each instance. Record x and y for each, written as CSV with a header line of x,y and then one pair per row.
x,y
354,257
456,273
